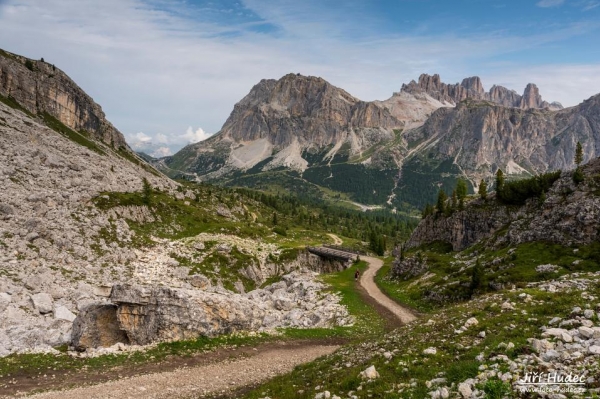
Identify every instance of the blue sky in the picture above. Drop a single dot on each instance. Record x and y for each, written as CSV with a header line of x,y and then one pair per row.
x,y
169,72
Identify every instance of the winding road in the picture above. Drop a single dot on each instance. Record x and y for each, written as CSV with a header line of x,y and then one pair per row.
x,y
367,281
223,374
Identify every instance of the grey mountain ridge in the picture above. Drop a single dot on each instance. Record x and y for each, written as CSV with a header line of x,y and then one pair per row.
x,y
443,131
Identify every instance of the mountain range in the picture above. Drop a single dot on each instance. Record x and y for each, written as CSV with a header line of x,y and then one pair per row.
x,y
304,135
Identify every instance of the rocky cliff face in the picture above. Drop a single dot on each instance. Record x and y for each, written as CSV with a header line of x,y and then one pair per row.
x,y
569,215
42,88
472,88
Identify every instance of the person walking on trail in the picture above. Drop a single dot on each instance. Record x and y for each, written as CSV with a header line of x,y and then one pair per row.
x,y
356,275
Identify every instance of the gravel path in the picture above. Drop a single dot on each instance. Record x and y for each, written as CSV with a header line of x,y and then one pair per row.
x,y
195,382
368,283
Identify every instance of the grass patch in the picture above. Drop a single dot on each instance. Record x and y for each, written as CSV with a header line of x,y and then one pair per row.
x,y
368,322
79,138
11,102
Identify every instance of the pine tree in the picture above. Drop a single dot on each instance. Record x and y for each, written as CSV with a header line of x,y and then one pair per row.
x,y
578,154
461,189
146,191
274,219
441,201
476,277
483,189
578,176
499,181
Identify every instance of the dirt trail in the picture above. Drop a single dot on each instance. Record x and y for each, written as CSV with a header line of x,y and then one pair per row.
x,y
368,283
336,240
187,382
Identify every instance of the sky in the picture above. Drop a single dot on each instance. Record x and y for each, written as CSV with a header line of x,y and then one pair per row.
x,y
168,73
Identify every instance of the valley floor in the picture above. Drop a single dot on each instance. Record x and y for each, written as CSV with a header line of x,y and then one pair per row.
x,y
212,373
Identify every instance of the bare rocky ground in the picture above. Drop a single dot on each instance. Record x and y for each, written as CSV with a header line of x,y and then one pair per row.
x,y
47,226
61,253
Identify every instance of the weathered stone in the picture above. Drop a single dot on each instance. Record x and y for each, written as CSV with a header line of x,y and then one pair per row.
x,y
97,326
62,313
42,302
430,351
370,373
199,281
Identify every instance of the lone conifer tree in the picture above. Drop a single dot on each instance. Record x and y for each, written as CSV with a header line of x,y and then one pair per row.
x,y
441,201
499,180
146,191
578,174
578,154
483,189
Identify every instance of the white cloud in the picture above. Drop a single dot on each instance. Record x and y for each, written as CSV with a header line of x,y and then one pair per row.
x,y
590,5
161,152
195,136
549,3
161,144
142,137
161,138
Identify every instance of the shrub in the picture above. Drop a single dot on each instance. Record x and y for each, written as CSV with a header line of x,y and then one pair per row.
x,y
578,176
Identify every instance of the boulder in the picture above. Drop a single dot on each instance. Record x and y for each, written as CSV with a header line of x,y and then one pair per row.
x,y
5,299
97,326
161,313
62,313
42,302
199,281
430,351
370,373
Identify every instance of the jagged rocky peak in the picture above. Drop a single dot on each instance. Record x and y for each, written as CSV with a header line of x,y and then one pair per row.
x,y
303,108
42,88
473,84
473,88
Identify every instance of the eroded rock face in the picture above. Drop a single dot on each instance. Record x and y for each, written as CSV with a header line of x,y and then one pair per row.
x,y
45,88
97,326
164,314
304,107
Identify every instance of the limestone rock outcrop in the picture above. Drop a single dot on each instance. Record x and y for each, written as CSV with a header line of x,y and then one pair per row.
x,y
147,314
53,260
41,88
